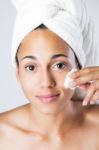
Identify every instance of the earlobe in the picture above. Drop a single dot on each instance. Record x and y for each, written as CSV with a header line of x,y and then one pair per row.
x,y
17,74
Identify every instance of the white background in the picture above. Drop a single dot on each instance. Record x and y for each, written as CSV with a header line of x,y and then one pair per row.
x,y
10,94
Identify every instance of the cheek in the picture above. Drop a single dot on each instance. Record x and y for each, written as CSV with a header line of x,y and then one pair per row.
x,y
28,88
61,78
66,93
29,84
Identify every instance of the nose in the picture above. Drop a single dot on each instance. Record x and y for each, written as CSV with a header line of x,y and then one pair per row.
x,y
47,80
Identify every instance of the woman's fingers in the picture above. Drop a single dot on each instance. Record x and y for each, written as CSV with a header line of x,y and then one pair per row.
x,y
92,94
84,71
88,80
84,76
95,97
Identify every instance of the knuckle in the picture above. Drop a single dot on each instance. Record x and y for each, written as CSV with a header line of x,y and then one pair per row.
x,y
88,70
97,94
93,85
95,97
81,80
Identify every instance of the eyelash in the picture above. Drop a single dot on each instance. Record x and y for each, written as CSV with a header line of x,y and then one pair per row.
x,y
55,66
63,65
27,67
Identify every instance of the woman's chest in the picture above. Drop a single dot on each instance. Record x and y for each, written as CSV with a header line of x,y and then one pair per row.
x,y
33,143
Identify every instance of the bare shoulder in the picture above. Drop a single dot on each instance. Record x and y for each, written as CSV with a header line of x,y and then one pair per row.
x,y
14,113
11,119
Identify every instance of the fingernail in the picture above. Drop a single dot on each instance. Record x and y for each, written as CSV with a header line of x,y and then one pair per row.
x,y
84,103
92,102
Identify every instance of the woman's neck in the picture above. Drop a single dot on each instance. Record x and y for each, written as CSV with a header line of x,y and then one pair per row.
x,y
54,123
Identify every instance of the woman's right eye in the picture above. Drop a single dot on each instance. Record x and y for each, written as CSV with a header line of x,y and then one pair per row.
x,y
30,67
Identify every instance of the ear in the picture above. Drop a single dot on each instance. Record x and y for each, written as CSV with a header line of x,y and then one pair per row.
x,y
18,3
17,74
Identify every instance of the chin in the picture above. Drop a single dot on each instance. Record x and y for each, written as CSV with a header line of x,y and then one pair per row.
x,y
50,110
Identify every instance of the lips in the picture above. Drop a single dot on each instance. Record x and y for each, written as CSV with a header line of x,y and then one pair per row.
x,y
48,97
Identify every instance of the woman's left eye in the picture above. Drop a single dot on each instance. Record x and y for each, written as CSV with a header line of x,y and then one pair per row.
x,y
30,68
60,66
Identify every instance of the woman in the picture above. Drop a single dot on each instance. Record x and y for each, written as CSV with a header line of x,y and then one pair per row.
x,y
52,120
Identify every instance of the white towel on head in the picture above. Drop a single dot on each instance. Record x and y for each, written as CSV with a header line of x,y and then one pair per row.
x,y
66,18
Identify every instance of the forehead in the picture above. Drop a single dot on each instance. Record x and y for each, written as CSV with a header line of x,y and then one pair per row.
x,y
43,42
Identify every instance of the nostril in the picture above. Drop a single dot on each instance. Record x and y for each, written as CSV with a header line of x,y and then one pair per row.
x,y
48,83
47,79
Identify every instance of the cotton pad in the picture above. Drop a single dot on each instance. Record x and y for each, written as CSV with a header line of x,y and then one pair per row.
x,y
68,79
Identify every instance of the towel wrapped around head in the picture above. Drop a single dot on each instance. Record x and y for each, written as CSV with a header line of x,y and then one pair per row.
x,y
67,18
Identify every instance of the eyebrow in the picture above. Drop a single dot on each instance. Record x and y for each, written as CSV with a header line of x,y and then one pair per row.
x,y
52,57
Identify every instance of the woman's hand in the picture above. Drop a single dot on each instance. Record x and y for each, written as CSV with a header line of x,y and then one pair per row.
x,y
88,80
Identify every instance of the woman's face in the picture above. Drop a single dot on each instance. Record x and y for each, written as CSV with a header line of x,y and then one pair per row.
x,y
44,60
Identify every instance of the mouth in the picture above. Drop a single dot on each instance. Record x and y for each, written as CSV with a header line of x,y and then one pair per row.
x,y
48,98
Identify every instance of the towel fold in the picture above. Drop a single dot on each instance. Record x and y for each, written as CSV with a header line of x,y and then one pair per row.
x,y
67,18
